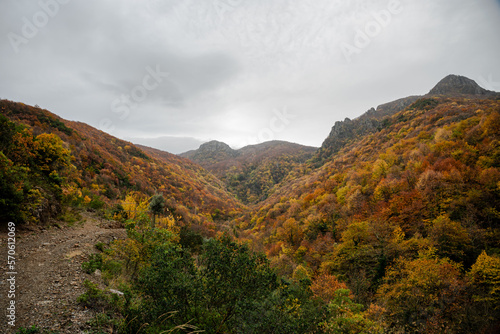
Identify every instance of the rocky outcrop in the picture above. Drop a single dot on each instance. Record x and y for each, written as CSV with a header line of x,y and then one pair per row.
x,y
453,85
217,146
344,131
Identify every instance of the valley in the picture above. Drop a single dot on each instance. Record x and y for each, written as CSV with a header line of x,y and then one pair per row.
x,y
391,226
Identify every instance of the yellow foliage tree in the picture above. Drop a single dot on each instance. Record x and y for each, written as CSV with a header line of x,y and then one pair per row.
x,y
49,152
485,276
135,204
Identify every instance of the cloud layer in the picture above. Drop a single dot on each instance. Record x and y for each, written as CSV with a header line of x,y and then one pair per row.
x,y
227,69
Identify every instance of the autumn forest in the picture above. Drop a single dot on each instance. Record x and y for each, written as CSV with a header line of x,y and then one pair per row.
x,y
391,226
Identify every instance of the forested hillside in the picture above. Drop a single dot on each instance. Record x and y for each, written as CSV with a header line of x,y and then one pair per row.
x,y
392,226
374,119
407,215
50,165
253,172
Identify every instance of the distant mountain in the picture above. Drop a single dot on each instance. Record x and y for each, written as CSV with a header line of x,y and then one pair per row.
x,y
102,169
343,132
453,85
253,171
211,153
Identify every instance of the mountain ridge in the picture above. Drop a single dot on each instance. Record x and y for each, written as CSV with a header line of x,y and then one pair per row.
x,y
453,85
372,120
425,161
251,172
402,211
104,168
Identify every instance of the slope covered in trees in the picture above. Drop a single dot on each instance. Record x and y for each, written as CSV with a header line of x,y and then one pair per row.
x,y
393,226
343,132
48,162
252,172
403,214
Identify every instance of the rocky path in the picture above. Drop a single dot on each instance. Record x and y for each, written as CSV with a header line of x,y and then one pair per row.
x,y
49,277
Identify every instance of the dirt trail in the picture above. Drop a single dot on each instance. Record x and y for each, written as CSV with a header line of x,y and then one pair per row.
x,y
49,277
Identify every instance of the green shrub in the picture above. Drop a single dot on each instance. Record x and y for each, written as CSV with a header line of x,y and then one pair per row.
x,y
94,297
96,203
70,216
31,330
424,104
34,330
190,240
94,263
100,246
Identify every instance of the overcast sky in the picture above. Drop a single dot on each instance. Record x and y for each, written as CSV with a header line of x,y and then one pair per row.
x,y
238,71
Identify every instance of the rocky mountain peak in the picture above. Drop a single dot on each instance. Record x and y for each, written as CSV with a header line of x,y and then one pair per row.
x,y
216,146
457,85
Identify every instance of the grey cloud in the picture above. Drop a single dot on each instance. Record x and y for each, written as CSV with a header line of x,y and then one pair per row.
x,y
231,63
